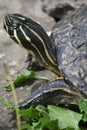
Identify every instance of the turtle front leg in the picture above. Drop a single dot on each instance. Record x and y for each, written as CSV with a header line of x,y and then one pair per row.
x,y
56,92
33,64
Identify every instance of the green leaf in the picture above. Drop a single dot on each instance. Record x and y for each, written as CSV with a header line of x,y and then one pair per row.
x,y
38,119
26,127
23,77
6,103
83,105
70,129
51,118
66,118
46,124
83,108
42,110
30,114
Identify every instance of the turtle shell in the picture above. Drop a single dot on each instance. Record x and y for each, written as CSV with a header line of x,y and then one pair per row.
x,y
70,38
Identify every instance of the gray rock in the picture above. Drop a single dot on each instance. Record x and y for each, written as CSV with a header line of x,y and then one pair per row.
x,y
29,8
59,8
15,56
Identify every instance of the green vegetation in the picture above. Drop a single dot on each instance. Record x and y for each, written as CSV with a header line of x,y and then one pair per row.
x,y
51,117
23,77
45,118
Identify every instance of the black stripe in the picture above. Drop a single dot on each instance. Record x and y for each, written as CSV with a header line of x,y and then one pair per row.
x,y
26,44
39,30
34,40
42,33
56,92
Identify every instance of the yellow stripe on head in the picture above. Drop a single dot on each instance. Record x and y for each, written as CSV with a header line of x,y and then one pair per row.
x,y
17,39
32,44
45,49
31,36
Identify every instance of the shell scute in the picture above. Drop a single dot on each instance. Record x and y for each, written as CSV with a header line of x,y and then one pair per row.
x,y
70,39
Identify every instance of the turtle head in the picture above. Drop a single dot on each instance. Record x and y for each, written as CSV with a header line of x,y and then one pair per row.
x,y
12,22
30,35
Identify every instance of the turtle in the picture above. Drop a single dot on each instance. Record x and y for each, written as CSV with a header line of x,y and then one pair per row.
x,y
64,53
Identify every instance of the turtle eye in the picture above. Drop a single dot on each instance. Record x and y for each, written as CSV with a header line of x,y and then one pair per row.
x,y
11,22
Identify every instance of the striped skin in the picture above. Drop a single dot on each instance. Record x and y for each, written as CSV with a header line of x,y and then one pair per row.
x,y
30,35
56,92
33,38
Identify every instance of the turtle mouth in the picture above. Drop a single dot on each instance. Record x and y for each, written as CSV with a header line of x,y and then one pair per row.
x,y
10,24
10,19
13,20
6,22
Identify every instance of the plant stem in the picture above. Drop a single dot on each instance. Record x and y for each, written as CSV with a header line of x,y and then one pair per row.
x,y
14,97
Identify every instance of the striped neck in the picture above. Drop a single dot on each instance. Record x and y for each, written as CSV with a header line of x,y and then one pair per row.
x,y
31,36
